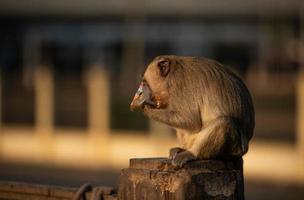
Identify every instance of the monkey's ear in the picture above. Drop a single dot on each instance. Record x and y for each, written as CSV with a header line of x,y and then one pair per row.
x,y
164,67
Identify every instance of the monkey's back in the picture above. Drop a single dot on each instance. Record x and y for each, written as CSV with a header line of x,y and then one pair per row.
x,y
223,93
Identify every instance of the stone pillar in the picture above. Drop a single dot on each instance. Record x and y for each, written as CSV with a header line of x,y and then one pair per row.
x,y
44,109
300,95
1,145
157,179
300,120
0,100
98,94
44,92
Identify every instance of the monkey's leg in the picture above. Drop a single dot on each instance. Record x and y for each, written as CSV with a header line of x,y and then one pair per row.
x,y
211,141
220,138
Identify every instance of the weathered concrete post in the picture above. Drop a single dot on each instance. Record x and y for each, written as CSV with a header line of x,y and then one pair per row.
x,y
157,179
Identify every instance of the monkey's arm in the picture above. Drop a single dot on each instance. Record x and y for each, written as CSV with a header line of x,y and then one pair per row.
x,y
191,122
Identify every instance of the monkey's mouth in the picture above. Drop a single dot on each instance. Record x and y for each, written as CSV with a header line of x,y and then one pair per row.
x,y
143,97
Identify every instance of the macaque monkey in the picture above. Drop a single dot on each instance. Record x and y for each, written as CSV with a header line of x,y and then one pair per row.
x,y
208,105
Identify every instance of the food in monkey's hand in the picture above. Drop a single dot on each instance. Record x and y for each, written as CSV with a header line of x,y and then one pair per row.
x,y
208,105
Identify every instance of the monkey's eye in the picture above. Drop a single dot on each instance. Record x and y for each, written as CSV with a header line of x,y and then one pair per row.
x,y
164,67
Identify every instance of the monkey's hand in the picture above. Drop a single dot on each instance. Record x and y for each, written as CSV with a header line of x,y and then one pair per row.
x,y
180,159
175,150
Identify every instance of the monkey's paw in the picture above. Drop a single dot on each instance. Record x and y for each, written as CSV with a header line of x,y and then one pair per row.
x,y
174,151
182,158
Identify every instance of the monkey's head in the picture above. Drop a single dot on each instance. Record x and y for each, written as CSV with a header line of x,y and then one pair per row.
x,y
153,91
164,94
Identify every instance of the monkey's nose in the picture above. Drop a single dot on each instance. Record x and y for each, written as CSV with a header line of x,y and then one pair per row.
x,y
142,96
137,102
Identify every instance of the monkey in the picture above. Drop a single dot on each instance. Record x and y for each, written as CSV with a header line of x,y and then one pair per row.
x,y
207,104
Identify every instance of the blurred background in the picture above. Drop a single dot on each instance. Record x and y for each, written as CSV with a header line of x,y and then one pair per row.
x,y
69,69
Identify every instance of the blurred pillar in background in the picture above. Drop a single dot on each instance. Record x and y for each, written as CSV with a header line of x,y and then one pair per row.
x,y
44,91
98,90
300,120
300,93
44,99
0,111
0,101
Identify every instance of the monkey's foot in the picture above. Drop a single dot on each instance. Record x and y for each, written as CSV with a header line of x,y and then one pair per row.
x,y
182,158
175,150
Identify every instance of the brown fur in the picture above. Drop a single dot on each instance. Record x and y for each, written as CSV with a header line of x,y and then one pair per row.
x,y
208,105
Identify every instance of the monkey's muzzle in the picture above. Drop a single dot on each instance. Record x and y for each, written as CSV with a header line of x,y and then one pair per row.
x,y
142,97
